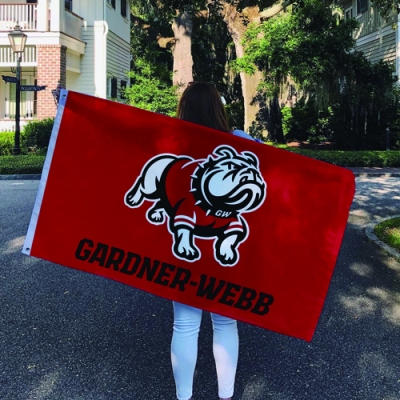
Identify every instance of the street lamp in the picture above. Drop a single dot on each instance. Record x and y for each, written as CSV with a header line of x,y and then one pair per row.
x,y
17,40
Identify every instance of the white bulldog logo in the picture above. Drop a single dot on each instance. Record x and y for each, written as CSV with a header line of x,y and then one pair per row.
x,y
201,199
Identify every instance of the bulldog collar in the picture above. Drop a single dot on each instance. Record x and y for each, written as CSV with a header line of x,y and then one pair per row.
x,y
201,200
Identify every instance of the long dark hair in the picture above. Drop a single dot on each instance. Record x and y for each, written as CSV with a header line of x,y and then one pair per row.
x,y
201,103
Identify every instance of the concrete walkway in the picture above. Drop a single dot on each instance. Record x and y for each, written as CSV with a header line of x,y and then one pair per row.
x,y
69,335
375,171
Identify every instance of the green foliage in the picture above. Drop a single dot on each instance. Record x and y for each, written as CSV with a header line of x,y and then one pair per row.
x,y
287,119
342,97
366,106
149,92
389,232
22,164
363,158
33,164
306,44
210,42
36,134
305,122
387,7
151,84
151,43
235,111
6,143
35,137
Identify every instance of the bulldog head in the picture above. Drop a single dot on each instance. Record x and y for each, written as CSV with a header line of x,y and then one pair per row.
x,y
230,182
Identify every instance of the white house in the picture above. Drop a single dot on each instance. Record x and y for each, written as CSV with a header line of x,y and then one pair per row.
x,y
377,38
80,45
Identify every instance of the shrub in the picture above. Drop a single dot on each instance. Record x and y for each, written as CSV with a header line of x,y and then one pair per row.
x,y
149,92
36,134
287,119
23,164
6,143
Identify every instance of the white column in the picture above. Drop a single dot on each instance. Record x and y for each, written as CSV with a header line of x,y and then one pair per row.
x,y
42,15
8,105
55,15
100,58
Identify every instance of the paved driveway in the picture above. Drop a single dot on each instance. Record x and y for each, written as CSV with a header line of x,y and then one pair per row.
x,y
69,335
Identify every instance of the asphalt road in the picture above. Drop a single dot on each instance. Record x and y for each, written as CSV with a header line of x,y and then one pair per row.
x,y
69,335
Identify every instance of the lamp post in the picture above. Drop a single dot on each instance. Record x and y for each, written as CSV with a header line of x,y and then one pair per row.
x,y
17,40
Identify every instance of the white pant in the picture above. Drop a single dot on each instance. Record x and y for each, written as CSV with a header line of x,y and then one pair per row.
x,y
184,350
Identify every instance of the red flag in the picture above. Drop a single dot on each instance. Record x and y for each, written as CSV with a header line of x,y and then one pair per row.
x,y
190,214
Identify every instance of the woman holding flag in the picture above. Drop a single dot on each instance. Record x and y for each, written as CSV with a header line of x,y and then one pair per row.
x,y
201,104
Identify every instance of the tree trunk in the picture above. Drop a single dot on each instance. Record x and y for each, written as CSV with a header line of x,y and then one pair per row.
x,y
236,28
182,27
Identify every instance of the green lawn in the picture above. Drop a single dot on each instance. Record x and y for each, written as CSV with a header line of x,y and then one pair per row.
x,y
389,232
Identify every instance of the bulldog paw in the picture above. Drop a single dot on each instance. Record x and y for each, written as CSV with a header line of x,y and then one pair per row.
x,y
156,216
184,246
226,251
134,197
227,256
187,252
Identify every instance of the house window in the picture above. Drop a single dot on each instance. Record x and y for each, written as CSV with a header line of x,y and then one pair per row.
x,y
114,88
68,5
362,5
112,2
123,8
108,87
122,89
348,14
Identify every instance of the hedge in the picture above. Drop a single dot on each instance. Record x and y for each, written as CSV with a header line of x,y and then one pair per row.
x,y
29,164
364,158
37,133
34,137
33,164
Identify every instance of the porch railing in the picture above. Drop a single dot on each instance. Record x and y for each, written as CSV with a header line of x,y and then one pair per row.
x,y
71,24
23,14
371,21
28,58
9,125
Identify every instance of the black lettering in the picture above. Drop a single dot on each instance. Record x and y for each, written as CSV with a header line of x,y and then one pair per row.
x,y
263,303
209,291
83,253
115,258
148,269
100,254
181,279
127,267
246,299
164,273
230,290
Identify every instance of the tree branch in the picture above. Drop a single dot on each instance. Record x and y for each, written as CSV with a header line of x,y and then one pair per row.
x,y
270,12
